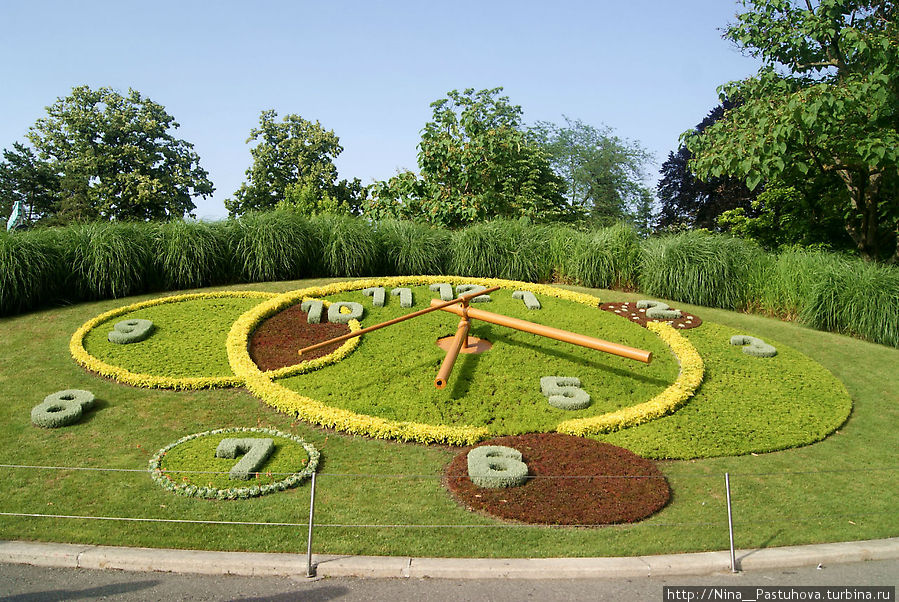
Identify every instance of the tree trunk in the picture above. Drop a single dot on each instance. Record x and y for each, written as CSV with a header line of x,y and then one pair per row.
x,y
863,227
894,260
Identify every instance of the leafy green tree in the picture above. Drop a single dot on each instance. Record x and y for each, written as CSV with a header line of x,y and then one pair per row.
x,y
115,158
690,203
603,174
826,101
782,216
293,165
475,163
643,214
23,177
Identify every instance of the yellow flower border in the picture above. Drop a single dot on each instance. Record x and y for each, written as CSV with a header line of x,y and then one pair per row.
x,y
262,384
122,375
692,370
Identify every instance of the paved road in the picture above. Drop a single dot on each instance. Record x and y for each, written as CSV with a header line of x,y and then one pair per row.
x,y
19,583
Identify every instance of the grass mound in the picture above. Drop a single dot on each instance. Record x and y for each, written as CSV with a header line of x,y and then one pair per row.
x,y
745,404
571,481
193,467
188,340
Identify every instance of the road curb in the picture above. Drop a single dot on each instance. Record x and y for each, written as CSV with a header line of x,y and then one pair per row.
x,y
294,565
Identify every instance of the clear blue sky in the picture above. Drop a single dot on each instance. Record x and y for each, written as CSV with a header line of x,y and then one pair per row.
x,y
369,70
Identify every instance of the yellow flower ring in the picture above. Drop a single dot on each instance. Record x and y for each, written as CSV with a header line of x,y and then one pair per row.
x,y
122,375
262,384
677,394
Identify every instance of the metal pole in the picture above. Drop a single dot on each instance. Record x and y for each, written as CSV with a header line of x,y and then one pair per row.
x,y
310,572
730,525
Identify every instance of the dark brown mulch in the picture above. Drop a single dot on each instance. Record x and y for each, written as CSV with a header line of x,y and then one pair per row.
x,y
276,341
630,312
605,485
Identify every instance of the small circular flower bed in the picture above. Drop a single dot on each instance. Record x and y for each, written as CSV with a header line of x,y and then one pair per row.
x,y
275,342
191,466
186,349
572,481
630,311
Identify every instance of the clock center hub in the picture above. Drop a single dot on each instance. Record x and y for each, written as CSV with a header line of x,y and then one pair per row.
x,y
474,344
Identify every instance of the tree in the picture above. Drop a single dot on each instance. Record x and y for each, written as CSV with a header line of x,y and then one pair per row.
x,y
688,202
115,158
23,177
603,174
643,214
475,163
293,164
826,101
783,216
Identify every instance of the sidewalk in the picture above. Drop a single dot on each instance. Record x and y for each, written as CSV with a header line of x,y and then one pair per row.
x,y
267,564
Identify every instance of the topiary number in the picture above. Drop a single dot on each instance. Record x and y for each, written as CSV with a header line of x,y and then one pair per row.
x,y
379,297
313,309
337,316
255,452
405,295
61,408
496,466
130,331
530,300
445,289
564,392
473,288
656,310
753,346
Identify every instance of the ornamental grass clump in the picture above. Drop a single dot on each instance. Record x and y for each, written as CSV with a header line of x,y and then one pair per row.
x,y
271,245
700,268
786,285
31,269
191,254
510,249
109,259
408,248
858,298
605,258
345,246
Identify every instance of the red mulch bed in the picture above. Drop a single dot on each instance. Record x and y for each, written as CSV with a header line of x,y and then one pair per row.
x,y
276,341
633,489
630,312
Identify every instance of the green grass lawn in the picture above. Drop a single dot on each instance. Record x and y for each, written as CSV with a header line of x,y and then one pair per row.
x,y
837,489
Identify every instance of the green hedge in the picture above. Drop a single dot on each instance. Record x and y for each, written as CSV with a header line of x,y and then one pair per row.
x,y
113,259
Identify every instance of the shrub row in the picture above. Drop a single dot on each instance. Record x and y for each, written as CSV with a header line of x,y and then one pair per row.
x,y
108,260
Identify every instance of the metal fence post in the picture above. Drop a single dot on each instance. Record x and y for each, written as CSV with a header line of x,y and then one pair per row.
x,y
310,571
730,525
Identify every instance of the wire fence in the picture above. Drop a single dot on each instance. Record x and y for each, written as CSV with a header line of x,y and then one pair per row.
x,y
733,487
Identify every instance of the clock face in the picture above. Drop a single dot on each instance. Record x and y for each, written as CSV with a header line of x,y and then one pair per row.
x,y
390,375
382,383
